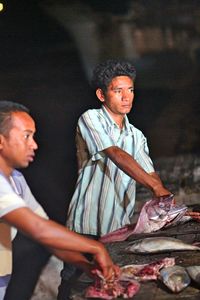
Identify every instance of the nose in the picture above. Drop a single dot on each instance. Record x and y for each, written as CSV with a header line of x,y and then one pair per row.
x,y
126,95
33,144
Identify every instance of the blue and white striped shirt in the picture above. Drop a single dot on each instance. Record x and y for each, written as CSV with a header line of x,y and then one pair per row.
x,y
104,197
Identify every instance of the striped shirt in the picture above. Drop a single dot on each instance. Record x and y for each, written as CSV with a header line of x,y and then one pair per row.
x,y
104,196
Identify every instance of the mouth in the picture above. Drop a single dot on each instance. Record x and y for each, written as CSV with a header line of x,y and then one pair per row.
x,y
30,157
126,106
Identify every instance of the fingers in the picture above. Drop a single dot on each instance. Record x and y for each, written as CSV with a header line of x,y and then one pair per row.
x,y
105,264
108,273
112,272
117,270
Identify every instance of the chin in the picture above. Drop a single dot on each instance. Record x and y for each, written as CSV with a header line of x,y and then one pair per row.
x,y
24,165
126,111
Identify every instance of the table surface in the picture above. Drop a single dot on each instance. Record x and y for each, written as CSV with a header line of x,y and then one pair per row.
x,y
155,290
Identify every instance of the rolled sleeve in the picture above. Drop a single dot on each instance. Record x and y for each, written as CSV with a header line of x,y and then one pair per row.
x,y
9,203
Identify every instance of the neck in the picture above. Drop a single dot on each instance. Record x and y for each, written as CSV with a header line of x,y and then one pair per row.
x,y
119,119
120,124
4,169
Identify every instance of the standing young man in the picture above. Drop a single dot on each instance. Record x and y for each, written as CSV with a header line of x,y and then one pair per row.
x,y
18,207
112,156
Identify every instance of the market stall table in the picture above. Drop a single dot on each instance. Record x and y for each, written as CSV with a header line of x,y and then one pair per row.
x,y
155,290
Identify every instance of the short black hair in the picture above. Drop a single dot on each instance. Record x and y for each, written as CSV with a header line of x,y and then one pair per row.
x,y
6,110
106,71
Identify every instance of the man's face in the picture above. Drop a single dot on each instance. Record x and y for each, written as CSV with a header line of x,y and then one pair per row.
x,y
118,98
18,146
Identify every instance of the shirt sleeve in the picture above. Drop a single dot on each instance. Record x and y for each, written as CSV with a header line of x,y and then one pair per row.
x,y
9,203
94,132
10,200
29,199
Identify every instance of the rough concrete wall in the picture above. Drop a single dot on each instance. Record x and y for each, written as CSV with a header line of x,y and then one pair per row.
x,y
181,175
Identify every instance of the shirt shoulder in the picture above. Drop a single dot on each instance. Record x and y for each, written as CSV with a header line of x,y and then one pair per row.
x,y
19,178
95,118
136,131
5,186
90,113
24,191
9,199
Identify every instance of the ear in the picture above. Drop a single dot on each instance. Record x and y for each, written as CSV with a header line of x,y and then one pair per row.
x,y
100,95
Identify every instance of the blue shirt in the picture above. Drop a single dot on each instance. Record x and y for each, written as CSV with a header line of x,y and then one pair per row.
x,y
104,197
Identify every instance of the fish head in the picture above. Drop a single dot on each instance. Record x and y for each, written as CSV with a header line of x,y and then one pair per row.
x,y
164,209
134,246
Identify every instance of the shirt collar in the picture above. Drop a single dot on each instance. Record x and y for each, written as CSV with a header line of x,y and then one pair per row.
x,y
112,122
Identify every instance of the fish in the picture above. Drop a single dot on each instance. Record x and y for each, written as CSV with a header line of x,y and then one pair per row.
x,y
146,271
194,273
158,213
155,214
158,244
175,278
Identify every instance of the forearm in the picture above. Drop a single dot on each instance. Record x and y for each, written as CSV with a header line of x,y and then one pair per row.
x,y
50,233
56,236
62,238
130,166
72,257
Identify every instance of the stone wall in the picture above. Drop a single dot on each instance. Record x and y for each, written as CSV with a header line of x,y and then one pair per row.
x,y
181,175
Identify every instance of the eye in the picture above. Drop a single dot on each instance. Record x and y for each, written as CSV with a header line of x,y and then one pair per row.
x,y
117,91
26,136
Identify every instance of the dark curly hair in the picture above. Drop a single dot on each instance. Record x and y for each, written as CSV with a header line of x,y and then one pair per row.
x,y
106,71
6,110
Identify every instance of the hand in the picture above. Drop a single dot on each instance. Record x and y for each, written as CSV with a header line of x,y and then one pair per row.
x,y
170,198
160,191
105,264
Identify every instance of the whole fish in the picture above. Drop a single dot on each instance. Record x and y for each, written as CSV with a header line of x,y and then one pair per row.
x,y
194,272
158,244
155,214
175,278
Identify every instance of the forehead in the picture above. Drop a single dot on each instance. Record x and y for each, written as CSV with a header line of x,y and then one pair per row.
x,y
121,81
22,121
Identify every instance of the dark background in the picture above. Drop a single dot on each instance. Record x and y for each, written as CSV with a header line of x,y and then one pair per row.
x,y
41,67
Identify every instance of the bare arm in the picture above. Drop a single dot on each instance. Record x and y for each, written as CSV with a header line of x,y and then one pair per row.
x,y
61,240
130,166
75,258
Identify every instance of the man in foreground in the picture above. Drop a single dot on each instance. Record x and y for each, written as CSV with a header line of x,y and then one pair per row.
x,y
18,207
